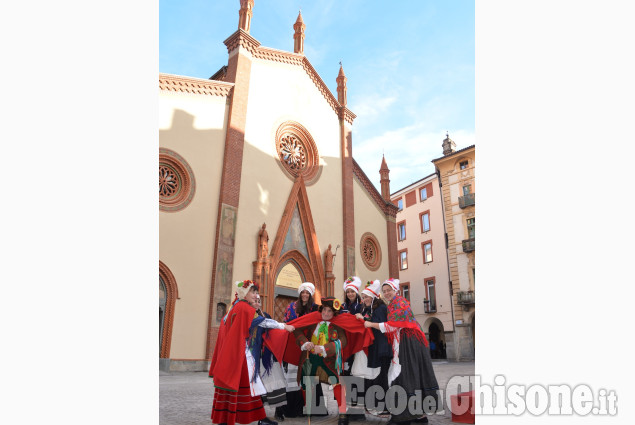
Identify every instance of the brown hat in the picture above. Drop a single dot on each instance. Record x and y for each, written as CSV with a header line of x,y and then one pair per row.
x,y
331,302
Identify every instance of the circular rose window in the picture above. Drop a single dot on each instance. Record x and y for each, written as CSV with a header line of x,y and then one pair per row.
x,y
370,251
297,152
176,181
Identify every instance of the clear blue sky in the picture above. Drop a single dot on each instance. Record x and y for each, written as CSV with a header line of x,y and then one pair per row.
x,y
409,64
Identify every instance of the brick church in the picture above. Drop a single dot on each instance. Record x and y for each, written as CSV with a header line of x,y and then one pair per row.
x,y
257,180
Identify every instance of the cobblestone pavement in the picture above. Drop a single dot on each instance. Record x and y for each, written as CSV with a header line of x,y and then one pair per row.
x,y
186,398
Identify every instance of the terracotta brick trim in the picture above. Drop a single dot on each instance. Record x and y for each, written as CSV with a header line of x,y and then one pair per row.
x,y
172,293
387,207
243,39
312,267
178,83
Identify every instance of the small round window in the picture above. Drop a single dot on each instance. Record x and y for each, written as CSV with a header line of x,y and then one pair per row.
x,y
176,181
370,251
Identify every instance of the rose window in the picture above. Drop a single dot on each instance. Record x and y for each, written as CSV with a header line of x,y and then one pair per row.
x,y
176,181
370,251
297,152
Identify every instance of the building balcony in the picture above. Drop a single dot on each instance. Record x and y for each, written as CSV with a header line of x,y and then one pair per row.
x,y
467,200
465,297
429,307
469,245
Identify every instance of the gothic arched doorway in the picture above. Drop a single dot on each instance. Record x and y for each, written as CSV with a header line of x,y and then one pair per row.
x,y
168,293
291,272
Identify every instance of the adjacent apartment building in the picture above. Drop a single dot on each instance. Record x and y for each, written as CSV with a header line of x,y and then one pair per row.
x,y
423,261
456,170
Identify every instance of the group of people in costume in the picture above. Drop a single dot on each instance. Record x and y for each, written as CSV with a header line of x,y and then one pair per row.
x,y
371,335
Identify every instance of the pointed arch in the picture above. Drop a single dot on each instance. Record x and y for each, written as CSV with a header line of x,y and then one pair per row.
x,y
310,261
171,294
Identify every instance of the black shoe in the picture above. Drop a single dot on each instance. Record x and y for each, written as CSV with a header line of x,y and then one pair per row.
x,y
279,415
267,421
423,420
343,419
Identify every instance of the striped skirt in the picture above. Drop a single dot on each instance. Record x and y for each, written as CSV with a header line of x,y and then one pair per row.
x,y
237,407
276,385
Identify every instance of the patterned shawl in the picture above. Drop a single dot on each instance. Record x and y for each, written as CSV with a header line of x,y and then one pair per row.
x,y
400,315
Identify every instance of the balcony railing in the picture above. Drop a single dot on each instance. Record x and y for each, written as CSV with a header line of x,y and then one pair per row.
x,y
468,245
465,297
467,200
429,307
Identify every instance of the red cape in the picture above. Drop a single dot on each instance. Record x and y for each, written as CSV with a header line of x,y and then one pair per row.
x,y
229,353
282,343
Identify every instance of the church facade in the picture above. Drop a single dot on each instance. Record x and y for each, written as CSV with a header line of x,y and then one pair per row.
x,y
257,181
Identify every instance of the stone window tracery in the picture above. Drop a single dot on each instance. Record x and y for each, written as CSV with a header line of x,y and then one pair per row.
x,y
297,152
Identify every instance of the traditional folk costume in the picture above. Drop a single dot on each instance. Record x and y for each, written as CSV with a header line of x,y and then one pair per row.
x,y
341,336
293,408
353,307
238,347
353,283
374,366
272,376
411,366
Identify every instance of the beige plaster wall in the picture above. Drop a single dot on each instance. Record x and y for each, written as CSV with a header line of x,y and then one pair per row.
x,y
278,93
368,218
194,127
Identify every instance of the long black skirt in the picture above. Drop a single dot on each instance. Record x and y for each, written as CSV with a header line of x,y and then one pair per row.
x,y
417,374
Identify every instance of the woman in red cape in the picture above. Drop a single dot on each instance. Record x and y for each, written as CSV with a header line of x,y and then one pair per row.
x,y
236,361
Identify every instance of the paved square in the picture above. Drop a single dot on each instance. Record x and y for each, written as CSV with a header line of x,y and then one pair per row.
x,y
186,398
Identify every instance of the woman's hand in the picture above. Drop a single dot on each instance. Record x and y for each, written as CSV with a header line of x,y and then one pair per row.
x,y
359,316
289,328
369,324
307,346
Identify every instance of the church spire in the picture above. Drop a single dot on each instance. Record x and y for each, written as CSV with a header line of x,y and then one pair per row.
x,y
245,13
298,36
341,86
385,181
